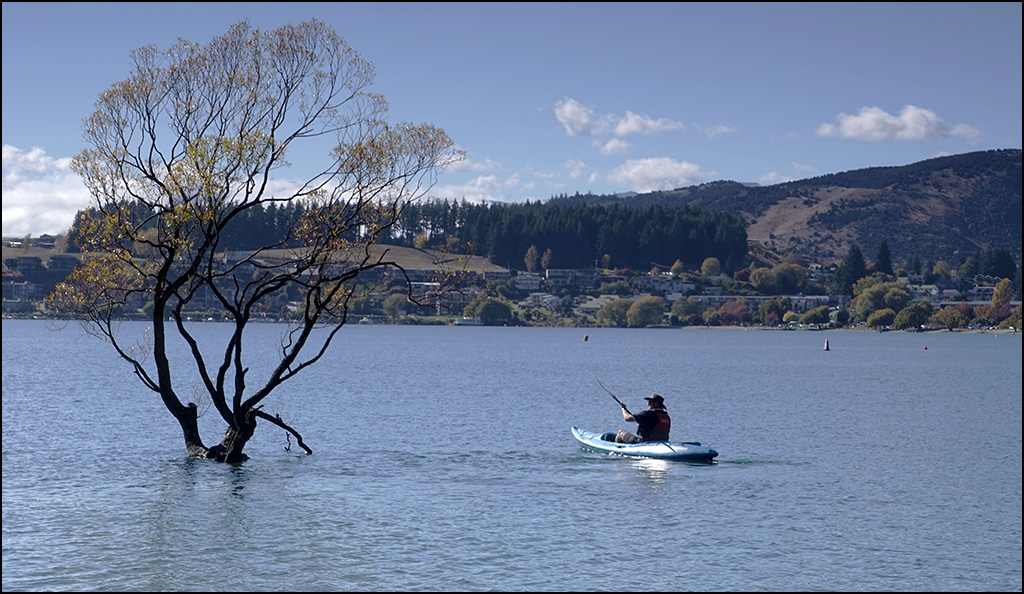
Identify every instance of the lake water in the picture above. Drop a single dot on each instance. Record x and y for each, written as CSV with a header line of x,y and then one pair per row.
x,y
443,461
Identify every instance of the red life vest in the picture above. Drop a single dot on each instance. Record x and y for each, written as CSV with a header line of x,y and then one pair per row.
x,y
661,428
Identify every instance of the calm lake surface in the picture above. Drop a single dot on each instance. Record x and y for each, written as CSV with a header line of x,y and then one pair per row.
x,y
443,461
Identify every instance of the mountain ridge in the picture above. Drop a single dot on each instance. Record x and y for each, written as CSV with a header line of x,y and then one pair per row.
x,y
945,208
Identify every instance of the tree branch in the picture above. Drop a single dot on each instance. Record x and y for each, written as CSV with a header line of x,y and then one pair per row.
x,y
276,419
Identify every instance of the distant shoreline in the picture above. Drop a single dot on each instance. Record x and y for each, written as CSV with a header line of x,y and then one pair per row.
x,y
872,330
585,328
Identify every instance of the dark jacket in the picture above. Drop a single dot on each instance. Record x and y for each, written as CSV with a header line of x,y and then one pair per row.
x,y
654,425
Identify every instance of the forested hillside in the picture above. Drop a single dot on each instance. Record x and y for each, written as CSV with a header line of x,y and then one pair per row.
x,y
575,236
564,236
948,208
945,208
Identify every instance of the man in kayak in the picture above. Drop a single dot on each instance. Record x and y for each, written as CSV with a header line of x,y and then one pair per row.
x,y
653,424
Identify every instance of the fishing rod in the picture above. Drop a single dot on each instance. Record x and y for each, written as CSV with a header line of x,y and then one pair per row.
x,y
613,396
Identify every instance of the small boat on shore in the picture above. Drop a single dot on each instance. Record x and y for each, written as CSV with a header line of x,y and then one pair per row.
x,y
690,451
468,321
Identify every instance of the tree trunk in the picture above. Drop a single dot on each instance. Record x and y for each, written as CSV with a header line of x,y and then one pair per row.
x,y
230,449
188,418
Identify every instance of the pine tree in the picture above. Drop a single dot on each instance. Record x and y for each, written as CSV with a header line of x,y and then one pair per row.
x,y
883,261
850,271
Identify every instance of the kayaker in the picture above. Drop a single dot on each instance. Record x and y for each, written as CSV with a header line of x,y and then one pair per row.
x,y
653,424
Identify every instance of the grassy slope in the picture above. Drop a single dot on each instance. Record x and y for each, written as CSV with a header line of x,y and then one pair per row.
x,y
409,258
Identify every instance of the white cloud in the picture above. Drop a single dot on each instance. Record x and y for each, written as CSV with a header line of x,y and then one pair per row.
x,y
41,195
576,168
484,188
632,123
965,133
713,131
469,165
478,189
648,175
613,146
773,177
577,119
515,181
873,124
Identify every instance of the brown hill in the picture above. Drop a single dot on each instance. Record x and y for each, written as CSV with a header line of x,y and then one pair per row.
x,y
944,208
408,258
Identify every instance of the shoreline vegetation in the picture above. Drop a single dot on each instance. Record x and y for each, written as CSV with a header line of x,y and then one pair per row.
x,y
455,321
486,295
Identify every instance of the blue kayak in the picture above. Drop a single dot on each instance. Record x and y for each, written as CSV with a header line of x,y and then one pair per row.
x,y
691,451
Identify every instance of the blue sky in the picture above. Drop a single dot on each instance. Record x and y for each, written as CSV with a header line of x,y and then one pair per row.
x,y
552,98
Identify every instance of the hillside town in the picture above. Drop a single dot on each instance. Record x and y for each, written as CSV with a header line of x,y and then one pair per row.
x,y
579,297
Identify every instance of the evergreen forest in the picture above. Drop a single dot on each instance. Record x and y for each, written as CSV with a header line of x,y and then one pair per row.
x,y
570,236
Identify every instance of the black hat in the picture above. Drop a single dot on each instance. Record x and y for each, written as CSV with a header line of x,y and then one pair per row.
x,y
655,399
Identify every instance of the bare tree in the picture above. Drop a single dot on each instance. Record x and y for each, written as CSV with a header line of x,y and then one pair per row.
x,y
545,259
188,143
531,258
